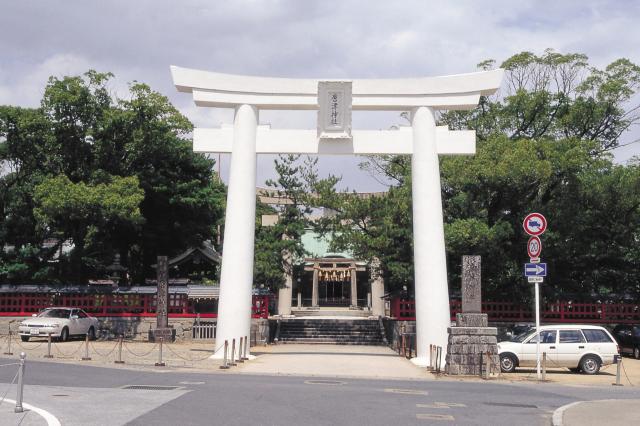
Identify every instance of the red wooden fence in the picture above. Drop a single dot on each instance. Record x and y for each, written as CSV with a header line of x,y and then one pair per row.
x,y
180,306
113,305
558,312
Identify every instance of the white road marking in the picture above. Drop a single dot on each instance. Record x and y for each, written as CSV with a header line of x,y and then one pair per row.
x,y
49,418
441,405
407,391
435,417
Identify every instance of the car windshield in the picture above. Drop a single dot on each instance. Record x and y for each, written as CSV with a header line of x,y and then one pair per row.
x,y
519,338
55,313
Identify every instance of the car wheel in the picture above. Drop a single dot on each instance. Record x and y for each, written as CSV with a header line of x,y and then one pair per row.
x,y
636,353
64,334
590,364
508,363
91,333
24,338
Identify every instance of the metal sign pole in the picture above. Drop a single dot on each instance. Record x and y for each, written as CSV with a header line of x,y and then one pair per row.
x,y
538,329
535,224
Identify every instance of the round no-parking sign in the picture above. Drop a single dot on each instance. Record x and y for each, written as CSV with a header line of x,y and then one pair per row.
x,y
534,224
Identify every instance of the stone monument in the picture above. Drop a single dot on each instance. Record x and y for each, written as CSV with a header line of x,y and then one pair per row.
x,y
472,342
162,306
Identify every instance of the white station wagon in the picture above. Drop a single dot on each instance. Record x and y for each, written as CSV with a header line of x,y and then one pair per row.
x,y
577,347
60,323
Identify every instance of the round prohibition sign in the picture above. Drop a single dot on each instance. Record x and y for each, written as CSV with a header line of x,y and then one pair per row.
x,y
534,247
534,224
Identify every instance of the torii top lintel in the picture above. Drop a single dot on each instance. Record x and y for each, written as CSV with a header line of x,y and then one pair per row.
x,y
461,91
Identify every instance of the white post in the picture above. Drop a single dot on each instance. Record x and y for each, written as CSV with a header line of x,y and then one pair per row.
x,y
377,289
236,277
314,290
538,330
354,286
286,292
431,290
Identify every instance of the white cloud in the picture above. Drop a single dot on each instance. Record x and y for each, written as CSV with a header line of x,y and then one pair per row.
x,y
333,39
26,88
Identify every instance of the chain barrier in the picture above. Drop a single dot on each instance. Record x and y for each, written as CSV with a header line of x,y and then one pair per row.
x,y
64,355
625,373
26,348
103,355
126,347
187,359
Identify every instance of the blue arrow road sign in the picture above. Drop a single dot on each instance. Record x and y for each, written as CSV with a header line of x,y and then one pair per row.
x,y
535,269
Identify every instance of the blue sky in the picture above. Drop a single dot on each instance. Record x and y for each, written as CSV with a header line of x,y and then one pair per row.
x,y
138,40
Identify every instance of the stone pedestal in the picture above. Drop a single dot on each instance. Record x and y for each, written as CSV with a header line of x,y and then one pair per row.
x,y
469,342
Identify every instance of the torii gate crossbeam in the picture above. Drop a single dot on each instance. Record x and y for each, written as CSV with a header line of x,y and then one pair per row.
x,y
424,141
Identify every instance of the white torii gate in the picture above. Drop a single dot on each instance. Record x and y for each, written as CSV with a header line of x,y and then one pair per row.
x,y
335,100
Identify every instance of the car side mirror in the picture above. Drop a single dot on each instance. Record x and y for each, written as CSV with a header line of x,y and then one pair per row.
x,y
74,317
34,315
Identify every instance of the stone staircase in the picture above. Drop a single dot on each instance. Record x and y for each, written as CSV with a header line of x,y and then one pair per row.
x,y
330,312
331,331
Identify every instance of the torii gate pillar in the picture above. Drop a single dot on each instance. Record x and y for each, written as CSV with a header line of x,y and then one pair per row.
x,y
430,264
335,100
234,315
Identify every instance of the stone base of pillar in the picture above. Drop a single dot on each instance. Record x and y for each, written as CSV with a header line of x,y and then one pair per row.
x,y
469,345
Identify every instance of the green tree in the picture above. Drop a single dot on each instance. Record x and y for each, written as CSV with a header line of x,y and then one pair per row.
x,y
102,145
86,215
542,146
278,247
556,96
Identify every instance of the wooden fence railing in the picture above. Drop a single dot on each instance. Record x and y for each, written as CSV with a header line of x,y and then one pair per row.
x,y
556,312
113,305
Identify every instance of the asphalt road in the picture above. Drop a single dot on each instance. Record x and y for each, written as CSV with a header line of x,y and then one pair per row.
x,y
86,395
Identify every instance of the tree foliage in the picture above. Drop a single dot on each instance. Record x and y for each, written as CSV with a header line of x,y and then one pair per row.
x,y
109,175
279,247
542,146
556,96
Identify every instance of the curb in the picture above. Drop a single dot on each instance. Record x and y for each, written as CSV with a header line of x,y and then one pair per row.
x,y
556,419
47,416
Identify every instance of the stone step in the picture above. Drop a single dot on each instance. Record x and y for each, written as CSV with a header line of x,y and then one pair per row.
x,y
337,332
337,323
326,330
334,342
330,329
331,313
329,336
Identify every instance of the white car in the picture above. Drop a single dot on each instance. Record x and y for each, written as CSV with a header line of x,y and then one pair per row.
x,y
577,347
60,323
